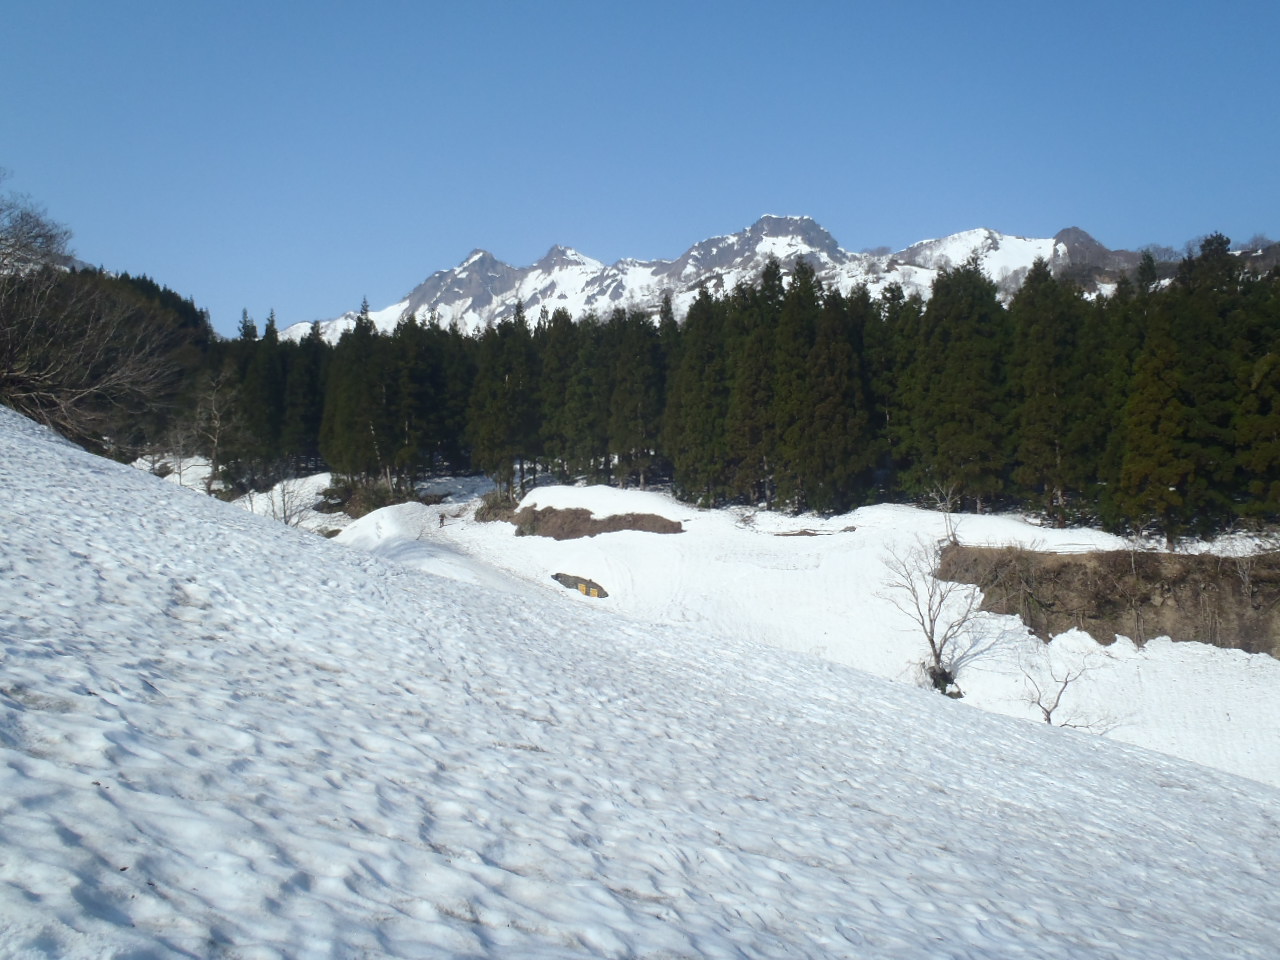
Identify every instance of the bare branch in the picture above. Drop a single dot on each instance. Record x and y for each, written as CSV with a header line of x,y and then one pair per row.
x,y
945,496
289,501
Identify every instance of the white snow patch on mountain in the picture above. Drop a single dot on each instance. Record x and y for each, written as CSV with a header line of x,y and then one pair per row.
x,y
482,290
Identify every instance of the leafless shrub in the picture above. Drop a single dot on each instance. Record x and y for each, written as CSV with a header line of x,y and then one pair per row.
x,y
947,614
496,505
290,501
944,496
1047,682
286,502
575,522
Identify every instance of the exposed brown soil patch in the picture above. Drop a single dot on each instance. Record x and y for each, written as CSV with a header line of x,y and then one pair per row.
x,y
806,532
1229,602
575,522
588,588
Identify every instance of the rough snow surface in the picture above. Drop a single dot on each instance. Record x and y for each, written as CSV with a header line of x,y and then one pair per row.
x,y
817,585
223,737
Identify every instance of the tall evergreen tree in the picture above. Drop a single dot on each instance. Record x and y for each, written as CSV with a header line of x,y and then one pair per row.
x,y
586,401
794,390
556,342
503,423
304,401
248,331
635,408
416,374
357,435
891,336
697,401
262,396
1157,472
1114,333
1046,318
457,371
955,421
838,453
1256,419
750,437
1257,429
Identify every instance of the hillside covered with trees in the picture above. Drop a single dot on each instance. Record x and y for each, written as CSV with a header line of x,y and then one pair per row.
x,y
1155,408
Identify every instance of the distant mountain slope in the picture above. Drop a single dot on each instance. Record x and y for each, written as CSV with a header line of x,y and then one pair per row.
x,y
482,289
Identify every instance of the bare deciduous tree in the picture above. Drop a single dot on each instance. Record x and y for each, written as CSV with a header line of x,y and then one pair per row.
x,y
945,497
290,501
217,421
28,238
947,614
74,357
74,351
1047,683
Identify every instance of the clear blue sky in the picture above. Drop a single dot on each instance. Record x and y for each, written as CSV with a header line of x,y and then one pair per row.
x,y
302,155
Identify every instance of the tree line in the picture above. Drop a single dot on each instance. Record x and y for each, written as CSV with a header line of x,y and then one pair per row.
x,y
1154,407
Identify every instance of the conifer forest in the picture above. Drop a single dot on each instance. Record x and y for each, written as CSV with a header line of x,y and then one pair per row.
x,y
1154,408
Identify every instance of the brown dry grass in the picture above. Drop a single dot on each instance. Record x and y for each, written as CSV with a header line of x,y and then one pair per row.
x,y
570,524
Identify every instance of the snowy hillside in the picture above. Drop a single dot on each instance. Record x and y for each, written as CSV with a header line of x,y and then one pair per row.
x,y
817,586
482,289
225,737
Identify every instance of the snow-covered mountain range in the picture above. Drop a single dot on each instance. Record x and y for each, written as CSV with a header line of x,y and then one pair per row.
x,y
482,289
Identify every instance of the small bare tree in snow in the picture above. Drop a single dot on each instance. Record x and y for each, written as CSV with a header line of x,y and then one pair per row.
x,y
290,501
287,502
944,495
1047,682
947,614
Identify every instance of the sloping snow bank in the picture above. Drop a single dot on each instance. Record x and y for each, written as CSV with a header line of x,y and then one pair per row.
x,y
223,737
817,585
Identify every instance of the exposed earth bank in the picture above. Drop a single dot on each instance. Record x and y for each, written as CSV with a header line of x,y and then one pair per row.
x,y
1231,602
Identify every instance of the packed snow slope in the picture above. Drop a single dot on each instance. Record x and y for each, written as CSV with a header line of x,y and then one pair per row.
x,y
819,586
222,737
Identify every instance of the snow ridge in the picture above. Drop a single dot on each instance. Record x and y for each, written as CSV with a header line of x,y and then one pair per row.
x,y
482,290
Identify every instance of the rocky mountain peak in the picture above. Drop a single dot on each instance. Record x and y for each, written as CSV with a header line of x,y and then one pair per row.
x,y
804,229
560,256
483,290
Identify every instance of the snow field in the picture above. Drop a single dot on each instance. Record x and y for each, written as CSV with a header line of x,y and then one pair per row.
x,y
817,586
223,737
